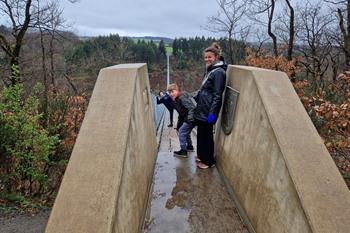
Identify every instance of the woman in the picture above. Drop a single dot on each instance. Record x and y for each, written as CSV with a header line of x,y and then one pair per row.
x,y
209,99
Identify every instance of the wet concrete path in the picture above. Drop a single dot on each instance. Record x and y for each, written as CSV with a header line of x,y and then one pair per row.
x,y
186,199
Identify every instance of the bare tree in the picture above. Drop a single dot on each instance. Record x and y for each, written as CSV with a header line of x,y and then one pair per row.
x,y
345,30
261,38
227,20
315,44
271,11
53,26
265,8
342,9
280,25
291,31
335,62
20,15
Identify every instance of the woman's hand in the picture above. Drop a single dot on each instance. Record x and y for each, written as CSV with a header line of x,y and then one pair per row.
x,y
211,118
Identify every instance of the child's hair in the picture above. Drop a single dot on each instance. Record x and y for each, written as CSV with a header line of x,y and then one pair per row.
x,y
172,87
214,48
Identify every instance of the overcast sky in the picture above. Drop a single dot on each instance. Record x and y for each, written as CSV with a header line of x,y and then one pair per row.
x,y
168,18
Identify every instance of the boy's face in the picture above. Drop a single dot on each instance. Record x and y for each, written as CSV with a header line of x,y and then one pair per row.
x,y
174,94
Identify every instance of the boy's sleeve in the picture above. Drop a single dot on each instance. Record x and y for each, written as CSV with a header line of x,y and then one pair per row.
x,y
158,100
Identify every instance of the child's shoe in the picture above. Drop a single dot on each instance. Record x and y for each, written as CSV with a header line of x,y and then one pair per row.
x,y
181,153
190,148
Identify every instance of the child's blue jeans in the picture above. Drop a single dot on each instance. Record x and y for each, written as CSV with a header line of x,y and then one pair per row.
x,y
185,135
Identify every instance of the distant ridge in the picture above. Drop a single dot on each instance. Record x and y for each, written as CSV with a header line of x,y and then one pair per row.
x,y
166,40
156,39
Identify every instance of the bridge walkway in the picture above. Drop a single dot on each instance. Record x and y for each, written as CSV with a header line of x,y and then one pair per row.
x,y
186,199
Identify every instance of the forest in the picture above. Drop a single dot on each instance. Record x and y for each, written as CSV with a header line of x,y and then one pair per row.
x,y
48,74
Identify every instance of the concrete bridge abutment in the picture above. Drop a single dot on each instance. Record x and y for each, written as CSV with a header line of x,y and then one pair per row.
x,y
107,180
274,161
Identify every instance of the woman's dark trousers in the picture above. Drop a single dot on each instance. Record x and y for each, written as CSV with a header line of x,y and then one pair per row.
x,y
205,143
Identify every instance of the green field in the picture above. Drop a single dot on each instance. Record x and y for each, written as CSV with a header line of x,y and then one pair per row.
x,y
169,50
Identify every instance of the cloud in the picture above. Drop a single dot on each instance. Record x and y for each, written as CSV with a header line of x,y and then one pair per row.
x,y
93,31
172,18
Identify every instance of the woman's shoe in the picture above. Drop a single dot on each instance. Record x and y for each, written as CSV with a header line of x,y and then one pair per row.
x,y
198,159
202,165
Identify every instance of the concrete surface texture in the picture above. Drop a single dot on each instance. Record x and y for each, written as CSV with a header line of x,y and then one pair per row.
x,y
275,162
107,180
186,199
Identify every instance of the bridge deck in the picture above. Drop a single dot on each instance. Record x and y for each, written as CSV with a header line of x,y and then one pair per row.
x,y
186,199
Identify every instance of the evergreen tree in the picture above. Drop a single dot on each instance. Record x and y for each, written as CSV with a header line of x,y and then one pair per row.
x,y
175,47
161,49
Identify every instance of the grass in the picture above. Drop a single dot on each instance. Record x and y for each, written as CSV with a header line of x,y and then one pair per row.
x,y
16,203
169,49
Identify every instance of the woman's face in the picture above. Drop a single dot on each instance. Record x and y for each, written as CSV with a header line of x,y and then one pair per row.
x,y
209,58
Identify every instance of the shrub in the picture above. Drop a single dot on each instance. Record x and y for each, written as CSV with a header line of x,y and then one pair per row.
x,y
25,145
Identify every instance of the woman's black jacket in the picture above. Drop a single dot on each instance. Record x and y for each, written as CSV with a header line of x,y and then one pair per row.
x,y
209,96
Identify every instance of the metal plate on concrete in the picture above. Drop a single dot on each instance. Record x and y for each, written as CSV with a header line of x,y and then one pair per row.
x,y
229,109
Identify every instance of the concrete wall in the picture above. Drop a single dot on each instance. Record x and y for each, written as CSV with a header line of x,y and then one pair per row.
x,y
106,184
275,162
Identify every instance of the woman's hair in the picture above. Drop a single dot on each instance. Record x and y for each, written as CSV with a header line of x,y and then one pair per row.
x,y
214,48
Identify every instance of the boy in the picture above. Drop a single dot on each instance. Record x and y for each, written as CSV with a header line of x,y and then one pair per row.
x,y
184,105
